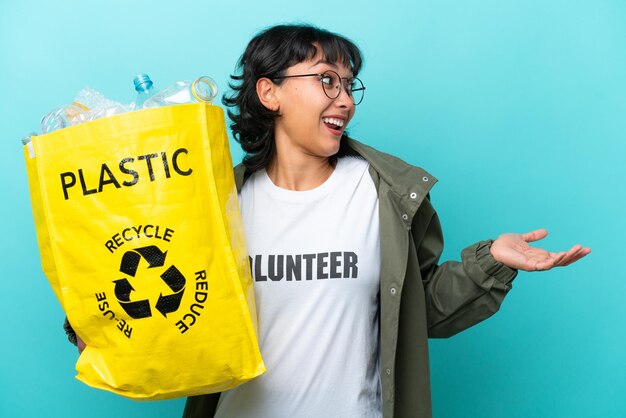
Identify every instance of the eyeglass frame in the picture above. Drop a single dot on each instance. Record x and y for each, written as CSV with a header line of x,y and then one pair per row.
x,y
341,87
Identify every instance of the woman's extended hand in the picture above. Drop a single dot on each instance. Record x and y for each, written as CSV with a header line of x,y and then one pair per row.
x,y
513,251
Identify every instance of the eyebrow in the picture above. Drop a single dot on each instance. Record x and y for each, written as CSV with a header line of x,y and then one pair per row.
x,y
323,61
331,64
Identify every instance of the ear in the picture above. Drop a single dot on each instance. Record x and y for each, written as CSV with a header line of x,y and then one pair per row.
x,y
266,90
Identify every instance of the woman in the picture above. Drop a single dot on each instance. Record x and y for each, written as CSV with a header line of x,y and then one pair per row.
x,y
344,245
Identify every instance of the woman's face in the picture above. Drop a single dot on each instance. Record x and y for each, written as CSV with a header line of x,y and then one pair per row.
x,y
310,122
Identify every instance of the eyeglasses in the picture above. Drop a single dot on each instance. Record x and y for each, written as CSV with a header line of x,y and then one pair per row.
x,y
332,84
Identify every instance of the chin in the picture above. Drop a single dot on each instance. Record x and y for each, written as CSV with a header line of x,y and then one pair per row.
x,y
331,150
327,147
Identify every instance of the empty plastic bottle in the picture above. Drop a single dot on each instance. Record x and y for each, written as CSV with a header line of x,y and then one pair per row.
x,y
90,104
145,89
28,138
63,117
202,89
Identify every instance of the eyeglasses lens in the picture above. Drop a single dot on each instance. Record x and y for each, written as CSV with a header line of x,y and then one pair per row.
x,y
331,82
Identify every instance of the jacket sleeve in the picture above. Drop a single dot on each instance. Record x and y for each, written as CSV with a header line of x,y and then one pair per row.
x,y
458,294
69,331
201,406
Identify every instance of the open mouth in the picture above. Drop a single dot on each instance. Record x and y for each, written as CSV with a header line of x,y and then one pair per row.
x,y
334,124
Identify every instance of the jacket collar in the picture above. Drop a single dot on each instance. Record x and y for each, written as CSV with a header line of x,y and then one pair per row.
x,y
403,178
410,183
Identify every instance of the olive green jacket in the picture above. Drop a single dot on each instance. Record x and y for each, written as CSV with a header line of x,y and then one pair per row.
x,y
419,298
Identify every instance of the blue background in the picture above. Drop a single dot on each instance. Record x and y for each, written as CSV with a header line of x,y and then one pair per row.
x,y
518,107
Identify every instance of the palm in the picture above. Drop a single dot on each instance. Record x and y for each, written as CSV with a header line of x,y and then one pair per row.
x,y
514,251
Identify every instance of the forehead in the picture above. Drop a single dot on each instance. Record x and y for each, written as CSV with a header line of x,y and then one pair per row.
x,y
320,63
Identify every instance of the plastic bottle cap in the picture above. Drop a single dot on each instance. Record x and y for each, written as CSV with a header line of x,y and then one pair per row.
x,y
142,83
204,89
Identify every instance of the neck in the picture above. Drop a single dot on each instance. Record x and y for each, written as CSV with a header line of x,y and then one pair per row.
x,y
299,173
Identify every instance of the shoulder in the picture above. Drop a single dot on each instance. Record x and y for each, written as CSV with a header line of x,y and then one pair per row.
x,y
402,177
240,175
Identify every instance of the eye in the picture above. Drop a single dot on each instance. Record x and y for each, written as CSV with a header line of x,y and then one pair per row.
x,y
351,86
356,85
327,80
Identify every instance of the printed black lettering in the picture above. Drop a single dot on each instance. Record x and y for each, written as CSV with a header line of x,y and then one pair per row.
x,y
125,170
65,185
335,264
294,267
201,295
148,158
193,319
166,166
308,262
350,269
120,324
196,305
321,263
101,296
258,276
175,162
104,169
124,234
107,176
196,308
103,306
110,246
136,232
117,239
182,326
83,185
123,326
275,267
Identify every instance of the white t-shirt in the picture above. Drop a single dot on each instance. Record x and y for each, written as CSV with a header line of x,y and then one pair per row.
x,y
315,258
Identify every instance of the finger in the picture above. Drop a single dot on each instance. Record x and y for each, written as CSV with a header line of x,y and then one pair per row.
x,y
559,258
544,265
535,235
553,260
578,256
572,254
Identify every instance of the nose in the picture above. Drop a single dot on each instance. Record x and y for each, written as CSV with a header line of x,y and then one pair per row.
x,y
344,100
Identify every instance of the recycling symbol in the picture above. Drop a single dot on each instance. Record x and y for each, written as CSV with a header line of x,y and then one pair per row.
x,y
172,277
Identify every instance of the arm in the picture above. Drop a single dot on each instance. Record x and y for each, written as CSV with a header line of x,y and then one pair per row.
x,y
201,406
458,294
72,337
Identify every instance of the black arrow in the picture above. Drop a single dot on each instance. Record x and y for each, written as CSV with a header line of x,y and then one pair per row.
x,y
137,310
152,255
174,279
169,303
130,262
123,289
